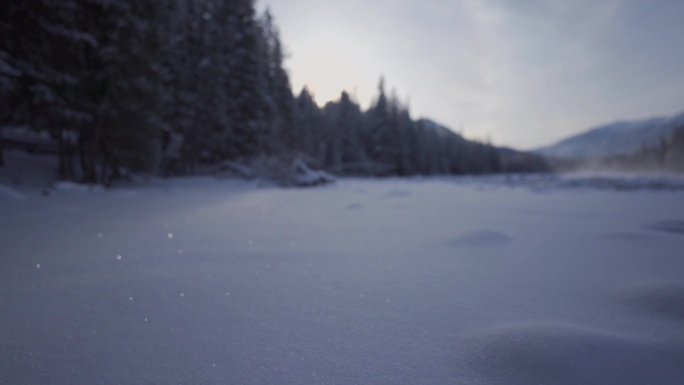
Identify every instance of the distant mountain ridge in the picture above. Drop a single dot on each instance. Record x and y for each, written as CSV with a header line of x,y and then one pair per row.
x,y
614,139
509,160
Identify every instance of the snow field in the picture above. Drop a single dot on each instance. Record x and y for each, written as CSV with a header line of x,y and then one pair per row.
x,y
383,282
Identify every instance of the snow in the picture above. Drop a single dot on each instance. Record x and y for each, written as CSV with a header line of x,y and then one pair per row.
x,y
76,187
7,192
304,176
498,280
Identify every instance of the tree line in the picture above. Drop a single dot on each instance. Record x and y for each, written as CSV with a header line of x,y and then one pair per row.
x,y
177,86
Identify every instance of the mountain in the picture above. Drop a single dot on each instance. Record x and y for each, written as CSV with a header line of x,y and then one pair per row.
x,y
619,138
665,156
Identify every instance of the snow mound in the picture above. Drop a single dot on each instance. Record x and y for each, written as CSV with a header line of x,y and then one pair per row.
x,y
570,355
481,238
661,299
11,194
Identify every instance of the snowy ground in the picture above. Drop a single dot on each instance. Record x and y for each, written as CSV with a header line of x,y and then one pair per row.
x,y
469,281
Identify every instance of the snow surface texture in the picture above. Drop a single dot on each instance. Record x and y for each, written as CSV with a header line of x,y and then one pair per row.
x,y
452,281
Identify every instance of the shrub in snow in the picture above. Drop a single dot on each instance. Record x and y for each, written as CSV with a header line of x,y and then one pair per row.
x,y
305,176
233,169
295,173
76,187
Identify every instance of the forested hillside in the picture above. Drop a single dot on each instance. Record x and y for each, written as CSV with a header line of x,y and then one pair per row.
x,y
614,139
177,86
667,155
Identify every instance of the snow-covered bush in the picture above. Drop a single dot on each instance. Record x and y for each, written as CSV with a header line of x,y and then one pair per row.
x,y
230,168
305,176
285,173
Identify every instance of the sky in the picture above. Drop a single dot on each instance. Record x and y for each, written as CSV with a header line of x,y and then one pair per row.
x,y
521,73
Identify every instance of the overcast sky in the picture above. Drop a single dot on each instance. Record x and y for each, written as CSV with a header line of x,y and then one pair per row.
x,y
524,73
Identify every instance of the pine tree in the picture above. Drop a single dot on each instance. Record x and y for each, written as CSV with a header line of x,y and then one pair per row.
x,y
378,120
9,74
247,85
280,98
41,40
121,79
307,126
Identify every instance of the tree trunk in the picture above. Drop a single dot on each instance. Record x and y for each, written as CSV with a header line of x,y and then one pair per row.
x,y
88,157
82,153
70,159
2,156
63,173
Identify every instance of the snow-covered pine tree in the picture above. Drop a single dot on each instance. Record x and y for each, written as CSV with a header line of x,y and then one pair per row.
x,y
343,128
40,41
280,97
183,62
379,126
213,123
307,126
406,154
247,83
121,80
176,111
